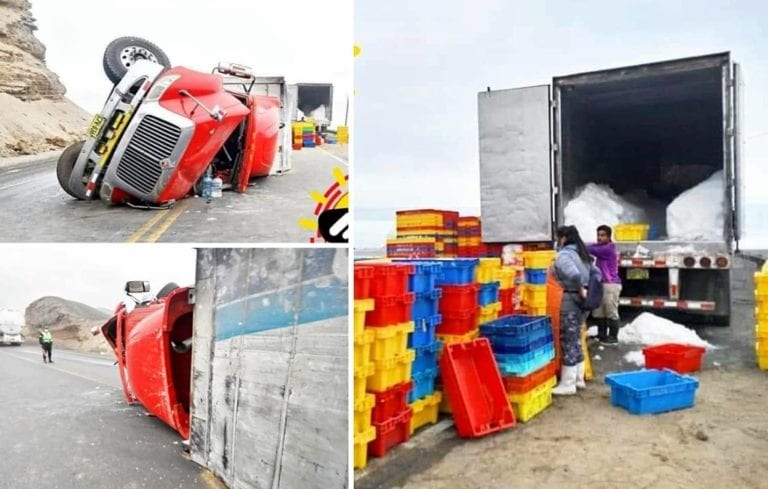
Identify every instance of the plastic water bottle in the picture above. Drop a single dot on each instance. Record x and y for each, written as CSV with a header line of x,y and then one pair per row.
x,y
208,187
216,189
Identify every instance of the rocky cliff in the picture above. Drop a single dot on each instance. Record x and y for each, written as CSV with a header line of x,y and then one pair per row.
x,y
70,323
34,114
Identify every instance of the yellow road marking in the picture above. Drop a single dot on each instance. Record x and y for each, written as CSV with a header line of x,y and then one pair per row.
x,y
170,215
174,214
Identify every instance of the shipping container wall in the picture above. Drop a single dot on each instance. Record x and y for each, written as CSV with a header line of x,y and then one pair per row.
x,y
269,378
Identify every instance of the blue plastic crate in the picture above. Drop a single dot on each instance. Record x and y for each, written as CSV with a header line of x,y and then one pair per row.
x,y
525,363
426,358
534,342
308,144
425,275
536,276
652,391
424,331
515,325
426,304
459,271
423,385
488,293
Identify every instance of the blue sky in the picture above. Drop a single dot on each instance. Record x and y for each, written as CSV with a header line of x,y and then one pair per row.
x,y
423,63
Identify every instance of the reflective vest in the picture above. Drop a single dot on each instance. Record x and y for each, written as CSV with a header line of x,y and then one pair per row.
x,y
46,337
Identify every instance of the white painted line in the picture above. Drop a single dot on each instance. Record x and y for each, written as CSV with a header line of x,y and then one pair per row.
x,y
344,162
24,182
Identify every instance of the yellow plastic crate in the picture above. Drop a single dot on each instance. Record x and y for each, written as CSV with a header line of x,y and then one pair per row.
x,y
761,283
388,373
534,296
361,447
539,259
761,299
761,315
505,276
426,411
421,219
531,403
631,232
761,352
488,313
390,341
363,411
363,344
536,311
450,339
485,272
361,306
361,376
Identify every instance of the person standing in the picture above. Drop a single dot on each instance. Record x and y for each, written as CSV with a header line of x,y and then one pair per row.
x,y
46,342
607,260
571,269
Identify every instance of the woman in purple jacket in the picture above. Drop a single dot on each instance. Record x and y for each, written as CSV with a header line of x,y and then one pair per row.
x,y
607,258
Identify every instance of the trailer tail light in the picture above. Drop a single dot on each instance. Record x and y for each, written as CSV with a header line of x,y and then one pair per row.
x,y
721,262
689,261
705,262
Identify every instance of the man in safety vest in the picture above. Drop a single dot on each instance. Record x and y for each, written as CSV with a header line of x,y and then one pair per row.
x,y
46,342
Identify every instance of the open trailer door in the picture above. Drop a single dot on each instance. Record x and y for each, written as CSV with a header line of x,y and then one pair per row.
x,y
735,139
515,164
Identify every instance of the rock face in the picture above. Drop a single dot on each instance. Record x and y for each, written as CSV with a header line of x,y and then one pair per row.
x,y
34,114
70,323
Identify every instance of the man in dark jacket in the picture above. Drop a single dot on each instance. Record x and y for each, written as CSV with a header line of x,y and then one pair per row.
x,y
607,260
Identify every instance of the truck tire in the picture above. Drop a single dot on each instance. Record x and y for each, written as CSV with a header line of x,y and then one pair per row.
x,y
124,51
66,163
167,289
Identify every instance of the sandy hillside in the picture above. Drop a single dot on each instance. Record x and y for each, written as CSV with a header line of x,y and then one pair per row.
x,y
34,114
70,323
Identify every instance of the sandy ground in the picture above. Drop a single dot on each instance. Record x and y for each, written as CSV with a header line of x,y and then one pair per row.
x,y
585,442
42,125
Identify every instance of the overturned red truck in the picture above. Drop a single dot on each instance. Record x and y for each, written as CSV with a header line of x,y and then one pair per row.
x,y
165,133
153,346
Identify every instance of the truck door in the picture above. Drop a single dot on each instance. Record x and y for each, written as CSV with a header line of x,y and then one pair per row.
x,y
515,164
733,141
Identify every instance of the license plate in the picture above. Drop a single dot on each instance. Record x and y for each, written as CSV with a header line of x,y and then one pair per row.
x,y
638,274
96,124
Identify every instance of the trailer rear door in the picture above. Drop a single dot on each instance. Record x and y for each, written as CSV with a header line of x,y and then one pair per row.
x,y
515,164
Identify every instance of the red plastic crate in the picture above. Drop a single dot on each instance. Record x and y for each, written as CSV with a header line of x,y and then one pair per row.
x,y
473,385
458,323
680,358
391,403
363,276
389,310
391,433
459,298
506,297
520,385
390,279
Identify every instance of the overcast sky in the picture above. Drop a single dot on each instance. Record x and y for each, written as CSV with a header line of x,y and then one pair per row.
x,y
302,40
424,62
91,274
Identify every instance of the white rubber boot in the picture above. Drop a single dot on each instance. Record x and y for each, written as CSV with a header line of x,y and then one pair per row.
x,y
567,385
580,383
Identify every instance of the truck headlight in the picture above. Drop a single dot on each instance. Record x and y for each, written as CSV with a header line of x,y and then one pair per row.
x,y
160,86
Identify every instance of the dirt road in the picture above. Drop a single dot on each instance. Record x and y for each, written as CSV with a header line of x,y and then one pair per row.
x,y
33,208
584,442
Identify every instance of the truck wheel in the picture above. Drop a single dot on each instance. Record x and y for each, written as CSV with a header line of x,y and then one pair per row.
x,y
66,164
167,289
123,52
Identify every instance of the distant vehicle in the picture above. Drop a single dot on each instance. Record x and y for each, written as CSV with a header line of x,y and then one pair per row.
x,y
153,346
11,323
165,133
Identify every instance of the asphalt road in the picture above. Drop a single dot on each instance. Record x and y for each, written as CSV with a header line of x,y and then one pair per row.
x,y
33,208
66,425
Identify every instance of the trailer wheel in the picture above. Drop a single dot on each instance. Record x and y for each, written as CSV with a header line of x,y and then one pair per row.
x,y
167,289
66,164
123,52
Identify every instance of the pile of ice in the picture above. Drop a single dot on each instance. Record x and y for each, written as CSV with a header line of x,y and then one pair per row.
x,y
319,115
649,329
594,205
636,357
699,212
299,115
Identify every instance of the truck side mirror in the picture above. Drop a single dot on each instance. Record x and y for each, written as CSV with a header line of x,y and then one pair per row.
x,y
136,287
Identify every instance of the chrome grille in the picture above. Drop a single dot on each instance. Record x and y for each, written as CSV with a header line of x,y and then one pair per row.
x,y
153,141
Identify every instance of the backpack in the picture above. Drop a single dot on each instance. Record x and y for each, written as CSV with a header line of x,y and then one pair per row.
x,y
594,290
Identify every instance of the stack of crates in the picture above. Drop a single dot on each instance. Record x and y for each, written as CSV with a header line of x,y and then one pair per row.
x,y
761,316
511,277
390,324
438,225
525,352
488,277
534,291
411,248
469,232
423,399
364,432
297,131
308,135
342,134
